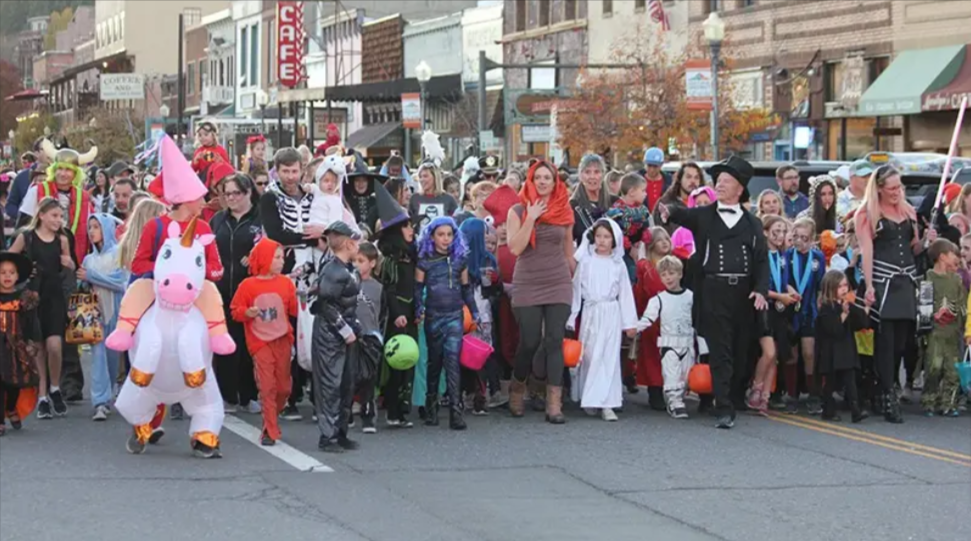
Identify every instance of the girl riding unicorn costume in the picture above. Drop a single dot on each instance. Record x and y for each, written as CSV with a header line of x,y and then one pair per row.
x,y
173,342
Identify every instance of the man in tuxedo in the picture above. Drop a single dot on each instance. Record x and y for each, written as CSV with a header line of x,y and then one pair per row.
x,y
732,279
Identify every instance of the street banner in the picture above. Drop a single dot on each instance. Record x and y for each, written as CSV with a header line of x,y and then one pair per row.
x,y
411,110
697,84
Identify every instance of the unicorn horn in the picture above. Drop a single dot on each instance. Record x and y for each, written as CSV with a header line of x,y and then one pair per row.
x,y
190,233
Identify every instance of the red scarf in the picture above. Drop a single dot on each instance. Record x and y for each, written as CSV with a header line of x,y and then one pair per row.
x,y
558,210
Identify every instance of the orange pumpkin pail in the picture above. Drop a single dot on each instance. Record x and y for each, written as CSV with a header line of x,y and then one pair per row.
x,y
572,352
699,379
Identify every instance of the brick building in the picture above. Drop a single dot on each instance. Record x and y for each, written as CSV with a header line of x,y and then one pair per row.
x,y
818,65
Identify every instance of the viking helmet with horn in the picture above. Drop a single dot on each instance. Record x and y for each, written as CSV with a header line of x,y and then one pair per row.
x,y
68,156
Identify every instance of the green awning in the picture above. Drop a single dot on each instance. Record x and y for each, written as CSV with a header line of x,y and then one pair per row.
x,y
898,90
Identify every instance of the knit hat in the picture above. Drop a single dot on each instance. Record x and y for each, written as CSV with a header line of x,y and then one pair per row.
x,y
261,256
180,184
217,172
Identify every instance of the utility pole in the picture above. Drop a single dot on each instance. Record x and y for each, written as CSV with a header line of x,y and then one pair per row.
x,y
180,107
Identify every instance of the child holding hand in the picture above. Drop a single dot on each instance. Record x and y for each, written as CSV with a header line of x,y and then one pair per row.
x,y
264,304
836,354
944,343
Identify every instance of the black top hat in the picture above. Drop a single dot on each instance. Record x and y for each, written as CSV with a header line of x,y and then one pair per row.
x,y
389,211
24,266
489,164
738,168
341,228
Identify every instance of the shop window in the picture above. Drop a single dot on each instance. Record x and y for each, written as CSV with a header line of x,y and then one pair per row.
x,y
521,16
608,7
544,12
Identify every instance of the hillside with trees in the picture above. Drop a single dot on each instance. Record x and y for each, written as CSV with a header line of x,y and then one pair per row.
x,y
14,13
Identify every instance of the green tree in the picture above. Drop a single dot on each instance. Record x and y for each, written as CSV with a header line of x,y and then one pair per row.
x,y
32,127
58,23
14,13
9,85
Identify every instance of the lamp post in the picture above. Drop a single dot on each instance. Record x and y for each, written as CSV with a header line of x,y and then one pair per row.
x,y
423,72
714,33
262,99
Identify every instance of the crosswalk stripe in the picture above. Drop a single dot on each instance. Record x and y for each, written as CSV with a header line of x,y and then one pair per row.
x,y
281,450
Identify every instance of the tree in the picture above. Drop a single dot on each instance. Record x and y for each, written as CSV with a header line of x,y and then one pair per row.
x,y
9,85
58,23
626,110
14,13
31,127
112,131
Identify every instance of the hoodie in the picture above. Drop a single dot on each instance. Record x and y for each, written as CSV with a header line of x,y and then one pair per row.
x,y
105,274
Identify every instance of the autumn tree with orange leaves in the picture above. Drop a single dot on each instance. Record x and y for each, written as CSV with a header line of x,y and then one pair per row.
x,y
625,110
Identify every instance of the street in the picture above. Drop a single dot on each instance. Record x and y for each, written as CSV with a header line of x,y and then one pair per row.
x,y
645,477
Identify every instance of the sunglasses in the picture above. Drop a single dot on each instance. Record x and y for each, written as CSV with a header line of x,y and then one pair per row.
x,y
261,184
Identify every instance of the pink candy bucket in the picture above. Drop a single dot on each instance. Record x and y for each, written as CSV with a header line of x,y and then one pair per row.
x,y
475,352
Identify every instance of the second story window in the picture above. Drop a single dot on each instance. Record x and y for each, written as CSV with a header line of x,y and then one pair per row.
x,y
639,5
608,7
544,12
243,56
520,15
570,10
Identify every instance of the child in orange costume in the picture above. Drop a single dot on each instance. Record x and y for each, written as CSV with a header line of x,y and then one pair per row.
x,y
264,304
183,190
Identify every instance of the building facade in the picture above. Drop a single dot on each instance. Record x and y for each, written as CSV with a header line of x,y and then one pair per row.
x,y
30,43
611,21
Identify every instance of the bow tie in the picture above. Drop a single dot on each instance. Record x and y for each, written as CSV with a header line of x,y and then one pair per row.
x,y
727,210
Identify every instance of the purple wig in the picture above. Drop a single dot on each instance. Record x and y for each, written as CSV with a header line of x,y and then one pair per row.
x,y
426,244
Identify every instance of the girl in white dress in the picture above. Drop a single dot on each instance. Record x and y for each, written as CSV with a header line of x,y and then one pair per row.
x,y
601,286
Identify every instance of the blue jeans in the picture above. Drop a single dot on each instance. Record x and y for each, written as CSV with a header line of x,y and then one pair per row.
x,y
104,370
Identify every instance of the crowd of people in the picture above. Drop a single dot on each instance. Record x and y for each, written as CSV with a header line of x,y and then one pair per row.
x,y
788,302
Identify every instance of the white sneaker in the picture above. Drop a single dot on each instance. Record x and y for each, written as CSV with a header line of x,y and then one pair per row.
x,y
253,407
592,412
229,408
498,400
100,414
356,409
608,415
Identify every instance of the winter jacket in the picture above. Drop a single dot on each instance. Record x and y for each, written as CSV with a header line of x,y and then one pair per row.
x,y
234,239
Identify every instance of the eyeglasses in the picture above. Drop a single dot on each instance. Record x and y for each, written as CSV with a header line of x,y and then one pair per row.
x,y
233,193
791,177
261,184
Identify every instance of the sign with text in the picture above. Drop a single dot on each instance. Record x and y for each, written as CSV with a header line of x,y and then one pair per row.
x,y
411,110
122,86
290,37
697,84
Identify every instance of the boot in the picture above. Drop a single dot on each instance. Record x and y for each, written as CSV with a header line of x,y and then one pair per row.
x,y
891,408
455,420
655,398
537,388
554,405
829,409
431,409
517,397
857,413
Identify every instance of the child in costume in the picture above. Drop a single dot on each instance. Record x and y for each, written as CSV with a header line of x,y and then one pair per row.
x,y
102,269
209,150
483,279
20,340
671,311
498,205
836,355
255,154
327,206
370,311
649,372
396,241
944,343
631,214
185,193
601,286
336,329
807,267
442,267
264,304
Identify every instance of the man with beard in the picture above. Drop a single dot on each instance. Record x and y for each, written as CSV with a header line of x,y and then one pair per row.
x,y
793,201
689,177
121,194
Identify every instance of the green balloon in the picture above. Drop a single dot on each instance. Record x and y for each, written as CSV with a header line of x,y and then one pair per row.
x,y
401,351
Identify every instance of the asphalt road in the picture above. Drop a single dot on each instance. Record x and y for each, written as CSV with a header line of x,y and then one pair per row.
x,y
645,477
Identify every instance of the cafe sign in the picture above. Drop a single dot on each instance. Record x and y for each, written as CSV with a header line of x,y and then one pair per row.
x,y
944,101
122,86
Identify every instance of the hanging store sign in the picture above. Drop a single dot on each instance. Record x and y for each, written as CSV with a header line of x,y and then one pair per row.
x,y
290,37
529,106
411,110
697,84
122,86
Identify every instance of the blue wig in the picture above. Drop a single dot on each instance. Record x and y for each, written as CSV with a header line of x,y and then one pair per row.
x,y
474,231
426,244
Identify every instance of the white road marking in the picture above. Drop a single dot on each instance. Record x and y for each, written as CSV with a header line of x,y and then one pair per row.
x,y
281,450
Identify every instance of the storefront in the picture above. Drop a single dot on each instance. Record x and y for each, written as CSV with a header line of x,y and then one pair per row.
x,y
931,130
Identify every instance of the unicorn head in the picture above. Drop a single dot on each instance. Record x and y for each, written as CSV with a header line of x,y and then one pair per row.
x,y
180,268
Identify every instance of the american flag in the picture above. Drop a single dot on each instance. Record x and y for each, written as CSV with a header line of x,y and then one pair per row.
x,y
658,15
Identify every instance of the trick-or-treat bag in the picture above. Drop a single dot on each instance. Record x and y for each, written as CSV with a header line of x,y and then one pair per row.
x,y
85,324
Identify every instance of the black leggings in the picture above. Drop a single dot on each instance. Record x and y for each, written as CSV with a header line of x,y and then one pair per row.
x,y
889,345
8,400
545,326
845,380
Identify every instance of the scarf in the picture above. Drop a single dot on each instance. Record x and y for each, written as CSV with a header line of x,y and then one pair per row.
x,y
558,210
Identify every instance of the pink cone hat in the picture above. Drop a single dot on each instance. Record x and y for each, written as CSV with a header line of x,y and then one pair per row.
x,y
180,184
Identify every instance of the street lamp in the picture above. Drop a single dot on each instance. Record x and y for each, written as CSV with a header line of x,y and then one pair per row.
x,y
262,99
423,72
714,32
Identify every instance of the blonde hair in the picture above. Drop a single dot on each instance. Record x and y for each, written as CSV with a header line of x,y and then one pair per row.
x,y
46,205
806,223
771,220
657,232
871,198
762,196
145,211
958,205
669,263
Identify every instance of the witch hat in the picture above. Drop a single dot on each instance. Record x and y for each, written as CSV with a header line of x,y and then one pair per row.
x,y
180,184
389,211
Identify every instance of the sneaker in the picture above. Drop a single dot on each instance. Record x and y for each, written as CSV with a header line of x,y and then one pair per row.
x,y
754,400
253,407
176,413
953,412
291,413
329,446
100,414
392,423
57,400
725,422
367,426
498,400
403,422
592,412
347,444
266,440
792,405
814,406
479,406
608,415
670,409
44,410
157,434
229,408
680,412
929,412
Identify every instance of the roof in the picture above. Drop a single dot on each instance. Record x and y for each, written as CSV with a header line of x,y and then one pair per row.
x,y
370,134
949,96
900,88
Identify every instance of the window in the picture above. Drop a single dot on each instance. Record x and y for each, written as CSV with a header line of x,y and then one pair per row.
x,y
190,72
713,6
254,55
745,3
608,7
544,12
231,71
191,16
639,5
570,10
243,49
202,74
520,15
